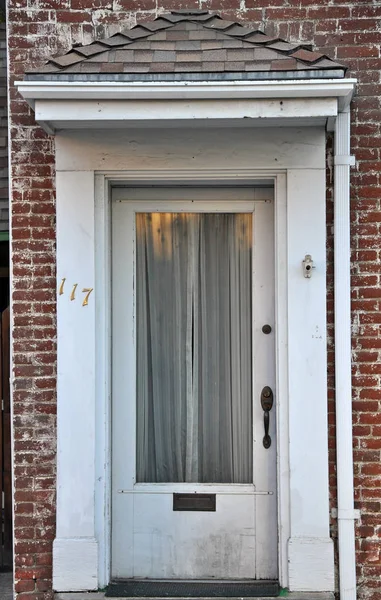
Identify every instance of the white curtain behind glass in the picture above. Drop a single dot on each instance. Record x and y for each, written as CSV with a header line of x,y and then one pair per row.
x,y
194,414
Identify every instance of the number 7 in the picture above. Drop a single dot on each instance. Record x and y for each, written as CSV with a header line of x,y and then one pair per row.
x,y
87,291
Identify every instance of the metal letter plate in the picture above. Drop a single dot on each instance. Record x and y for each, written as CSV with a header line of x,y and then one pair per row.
x,y
194,502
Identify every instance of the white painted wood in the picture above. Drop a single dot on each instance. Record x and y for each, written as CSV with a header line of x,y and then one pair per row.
x,y
103,377
228,489
343,357
75,533
207,206
282,398
189,177
156,198
102,225
149,539
311,564
170,90
195,150
199,156
194,545
120,113
52,127
123,385
309,502
75,564
266,525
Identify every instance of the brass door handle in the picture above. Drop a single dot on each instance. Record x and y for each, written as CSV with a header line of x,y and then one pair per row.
x,y
267,400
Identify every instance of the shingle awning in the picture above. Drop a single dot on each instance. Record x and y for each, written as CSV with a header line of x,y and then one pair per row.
x,y
189,44
199,62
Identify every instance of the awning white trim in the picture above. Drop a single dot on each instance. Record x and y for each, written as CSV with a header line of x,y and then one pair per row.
x,y
62,105
155,90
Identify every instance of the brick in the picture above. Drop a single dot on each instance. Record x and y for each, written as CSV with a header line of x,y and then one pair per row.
x,y
25,586
357,51
347,30
138,5
330,12
69,16
286,14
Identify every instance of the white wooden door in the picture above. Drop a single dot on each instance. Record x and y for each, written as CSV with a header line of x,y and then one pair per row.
x,y
234,535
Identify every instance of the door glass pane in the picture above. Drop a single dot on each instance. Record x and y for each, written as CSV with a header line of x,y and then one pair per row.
x,y
194,347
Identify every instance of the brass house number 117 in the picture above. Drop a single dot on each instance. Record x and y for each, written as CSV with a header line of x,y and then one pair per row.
x,y
86,291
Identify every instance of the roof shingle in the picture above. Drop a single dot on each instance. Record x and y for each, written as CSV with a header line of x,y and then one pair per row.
x,y
191,41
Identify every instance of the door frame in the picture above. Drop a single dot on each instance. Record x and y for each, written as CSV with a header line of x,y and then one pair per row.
x,y
103,186
81,549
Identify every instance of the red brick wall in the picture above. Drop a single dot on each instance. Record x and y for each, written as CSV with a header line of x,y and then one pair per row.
x,y
346,30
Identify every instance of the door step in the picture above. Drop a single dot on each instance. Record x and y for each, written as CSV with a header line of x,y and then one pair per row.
x,y
286,595
192,589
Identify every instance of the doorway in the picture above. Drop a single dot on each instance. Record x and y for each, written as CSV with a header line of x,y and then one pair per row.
x,y
193,384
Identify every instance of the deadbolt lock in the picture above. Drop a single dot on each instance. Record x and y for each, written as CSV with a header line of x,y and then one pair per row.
x,y
267,398
266,329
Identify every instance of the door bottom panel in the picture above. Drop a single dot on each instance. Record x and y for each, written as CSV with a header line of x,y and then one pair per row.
x,y
137,588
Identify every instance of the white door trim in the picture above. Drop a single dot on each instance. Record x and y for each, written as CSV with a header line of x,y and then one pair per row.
x,y
103,369
82,547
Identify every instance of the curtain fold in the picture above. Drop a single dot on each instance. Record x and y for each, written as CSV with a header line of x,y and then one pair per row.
x,y
194,347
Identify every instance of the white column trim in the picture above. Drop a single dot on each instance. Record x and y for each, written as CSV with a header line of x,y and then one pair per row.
x,y
103,377
310,549
343,359
281,344
75,548
75,564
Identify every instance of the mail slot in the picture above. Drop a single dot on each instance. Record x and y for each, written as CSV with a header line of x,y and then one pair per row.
x,y
194,502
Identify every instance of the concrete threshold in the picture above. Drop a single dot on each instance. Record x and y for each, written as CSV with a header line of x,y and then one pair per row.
x,y
6,586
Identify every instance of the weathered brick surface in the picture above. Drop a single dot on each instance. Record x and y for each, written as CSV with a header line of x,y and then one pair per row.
x,y
347,30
